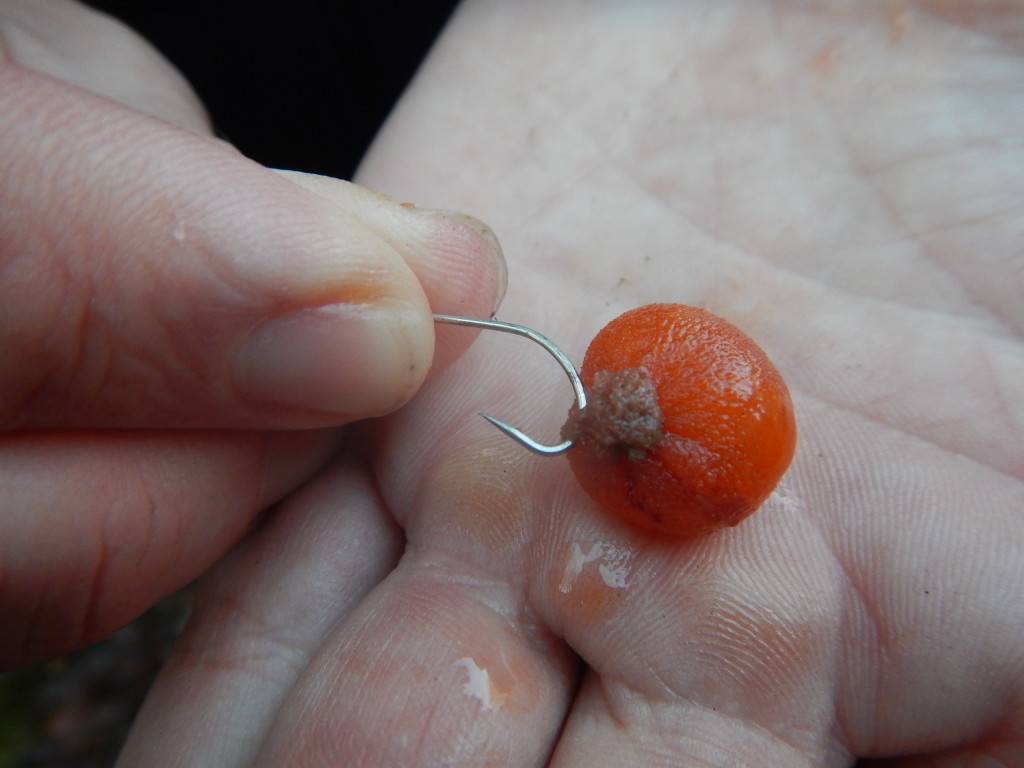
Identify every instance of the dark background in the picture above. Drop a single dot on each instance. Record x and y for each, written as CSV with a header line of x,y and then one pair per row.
x,y
298,84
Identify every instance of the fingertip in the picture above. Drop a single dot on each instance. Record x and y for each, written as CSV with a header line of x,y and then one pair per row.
x,y
456,257
464,271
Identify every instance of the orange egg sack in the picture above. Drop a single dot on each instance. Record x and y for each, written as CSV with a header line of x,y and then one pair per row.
x,y
688,426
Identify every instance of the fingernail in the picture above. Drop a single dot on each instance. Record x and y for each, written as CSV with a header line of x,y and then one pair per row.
x,y
354,360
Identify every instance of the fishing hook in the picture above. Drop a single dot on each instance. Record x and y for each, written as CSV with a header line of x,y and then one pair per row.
x,y
570,370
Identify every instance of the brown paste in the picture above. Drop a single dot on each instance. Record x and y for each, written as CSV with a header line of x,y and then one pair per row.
x,y
622,412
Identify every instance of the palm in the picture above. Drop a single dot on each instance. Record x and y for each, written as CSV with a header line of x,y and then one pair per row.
x,y
838,188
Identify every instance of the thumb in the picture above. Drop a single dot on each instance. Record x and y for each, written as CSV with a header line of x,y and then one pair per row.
x,y
155,278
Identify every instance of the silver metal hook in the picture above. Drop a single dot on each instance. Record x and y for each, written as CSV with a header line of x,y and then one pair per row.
x,y
570,370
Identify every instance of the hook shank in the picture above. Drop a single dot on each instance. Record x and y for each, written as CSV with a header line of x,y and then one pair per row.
x,y
570,370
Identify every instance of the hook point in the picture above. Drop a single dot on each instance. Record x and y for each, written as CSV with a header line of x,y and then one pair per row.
x,y
570,370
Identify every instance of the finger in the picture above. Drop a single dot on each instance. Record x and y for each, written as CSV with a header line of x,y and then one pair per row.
x,y
685,672
613,726
438,666
258,617
455,275
153,278
91,50
98,526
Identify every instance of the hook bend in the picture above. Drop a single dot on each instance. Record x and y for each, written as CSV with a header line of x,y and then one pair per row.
x,y
570,370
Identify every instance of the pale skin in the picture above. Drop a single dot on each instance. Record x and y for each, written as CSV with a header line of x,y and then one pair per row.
x,y
839,180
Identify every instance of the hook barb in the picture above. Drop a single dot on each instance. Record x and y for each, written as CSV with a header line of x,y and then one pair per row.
x,y
570,370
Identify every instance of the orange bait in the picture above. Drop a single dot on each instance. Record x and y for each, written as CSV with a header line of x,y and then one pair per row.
x,y
681,424
688,426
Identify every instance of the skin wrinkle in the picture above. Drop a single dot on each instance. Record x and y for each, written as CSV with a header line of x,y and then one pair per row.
x,y
705,74
345,738
525,620
669,737
88,340
878,174
886,426
892,653
903,231
961,16
431,716
713,190
254,641
838,734
920,155
89,626
979,297
736,621
144,507
673,696
945,227
261,489
33,391
976,297
260,496
83,308
797,747
612,704
250,643
856,594
864,171
182,361
748,669
197,657
229,294
1004,405
924,313
740,249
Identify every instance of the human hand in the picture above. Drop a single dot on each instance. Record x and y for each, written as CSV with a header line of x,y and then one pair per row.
x,y
840,181
178,326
